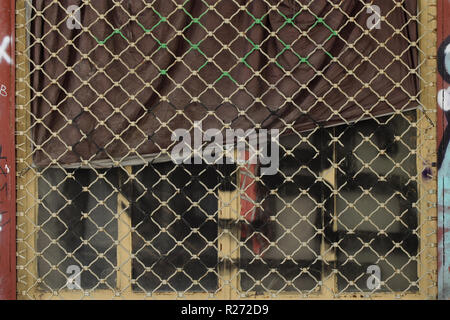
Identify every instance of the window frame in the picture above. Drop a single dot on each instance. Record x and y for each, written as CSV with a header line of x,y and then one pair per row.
x,y
229,204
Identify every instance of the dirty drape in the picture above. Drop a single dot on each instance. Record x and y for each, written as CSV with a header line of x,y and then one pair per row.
x,y
117,87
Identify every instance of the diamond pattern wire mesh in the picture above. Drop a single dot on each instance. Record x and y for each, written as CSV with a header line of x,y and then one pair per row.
x,y
121,221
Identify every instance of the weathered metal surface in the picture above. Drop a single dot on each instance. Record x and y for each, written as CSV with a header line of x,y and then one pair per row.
x,y
7,159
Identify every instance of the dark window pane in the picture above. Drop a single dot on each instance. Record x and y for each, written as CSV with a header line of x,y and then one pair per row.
x,y
376,204
289,220
175,221
77,228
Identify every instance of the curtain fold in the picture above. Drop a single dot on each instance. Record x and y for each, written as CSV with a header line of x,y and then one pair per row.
x,y
117,87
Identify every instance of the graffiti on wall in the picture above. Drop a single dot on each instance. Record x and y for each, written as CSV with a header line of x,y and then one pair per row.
x,y
4,169
443,97
7,159
4,196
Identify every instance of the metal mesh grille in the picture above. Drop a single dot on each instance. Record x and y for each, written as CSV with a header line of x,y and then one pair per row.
x,y
349,212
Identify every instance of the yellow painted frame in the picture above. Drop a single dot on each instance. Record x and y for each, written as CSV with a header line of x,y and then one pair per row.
x,y
27,200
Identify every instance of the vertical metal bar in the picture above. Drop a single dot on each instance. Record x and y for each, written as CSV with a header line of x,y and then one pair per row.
x,y
426,150
228,244
7,154
124,248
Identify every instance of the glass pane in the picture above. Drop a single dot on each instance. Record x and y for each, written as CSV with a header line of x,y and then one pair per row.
x,y
282,245
377,216
77,229
174,215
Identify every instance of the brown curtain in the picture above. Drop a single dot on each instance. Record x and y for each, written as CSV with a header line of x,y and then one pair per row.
x,y
115,95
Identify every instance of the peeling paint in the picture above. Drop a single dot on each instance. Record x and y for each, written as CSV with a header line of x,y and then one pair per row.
x,y
7,151
427,173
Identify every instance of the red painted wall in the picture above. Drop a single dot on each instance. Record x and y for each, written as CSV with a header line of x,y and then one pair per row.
x,y
7,154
